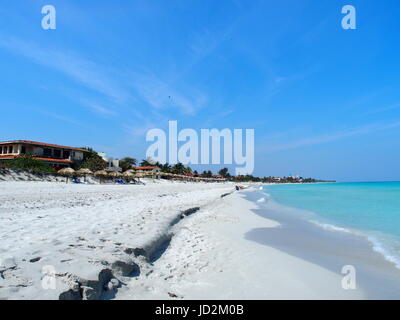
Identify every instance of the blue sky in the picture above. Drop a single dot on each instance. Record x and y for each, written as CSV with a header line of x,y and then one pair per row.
x,y
324,102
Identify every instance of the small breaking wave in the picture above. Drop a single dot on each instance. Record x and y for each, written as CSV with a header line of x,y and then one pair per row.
x,y
386,248
330,227
384,243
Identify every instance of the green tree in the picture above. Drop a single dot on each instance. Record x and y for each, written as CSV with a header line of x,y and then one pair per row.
x,y
147,162
92,161
223,172
166,168
178,168
187,170
127,163
207,174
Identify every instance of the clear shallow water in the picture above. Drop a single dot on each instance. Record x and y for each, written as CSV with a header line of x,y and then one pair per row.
x,y
371,209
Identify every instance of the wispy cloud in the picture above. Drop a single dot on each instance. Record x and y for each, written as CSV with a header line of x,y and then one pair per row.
x,y
329,137
82,70
139,130
160,95
98,108
211,119
154,92
63,118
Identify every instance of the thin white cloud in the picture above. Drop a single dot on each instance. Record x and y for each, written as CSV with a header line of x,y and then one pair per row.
x,y
154,92
70,64
330,137
139,130
212,119
63,118
98,108
160,95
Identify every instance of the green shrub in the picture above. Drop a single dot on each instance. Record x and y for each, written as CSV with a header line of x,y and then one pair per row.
x,y
29,163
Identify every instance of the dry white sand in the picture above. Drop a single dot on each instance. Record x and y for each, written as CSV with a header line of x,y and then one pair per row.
x,y
81,231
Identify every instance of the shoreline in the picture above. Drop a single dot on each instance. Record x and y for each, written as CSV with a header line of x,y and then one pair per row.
x,y
331,248
237,262
382,242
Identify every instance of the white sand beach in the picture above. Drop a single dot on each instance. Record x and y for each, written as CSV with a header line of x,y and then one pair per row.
x,y
162,240
81,230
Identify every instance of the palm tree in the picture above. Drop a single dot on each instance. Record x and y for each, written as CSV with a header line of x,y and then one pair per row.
x,y
187,170
147,162
127,163
223,172
178,168
166,168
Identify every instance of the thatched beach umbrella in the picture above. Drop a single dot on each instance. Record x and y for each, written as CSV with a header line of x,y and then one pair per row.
x,y
101,174
66,172
148,174
129,174
114,174
139,175
83,172
165,174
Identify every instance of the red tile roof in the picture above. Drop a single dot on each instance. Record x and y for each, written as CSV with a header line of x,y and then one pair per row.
x,y
145,168
9,157
53,160
41,144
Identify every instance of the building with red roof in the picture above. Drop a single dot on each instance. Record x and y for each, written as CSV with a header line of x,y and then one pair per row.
x,y
147,168
150,170
56,155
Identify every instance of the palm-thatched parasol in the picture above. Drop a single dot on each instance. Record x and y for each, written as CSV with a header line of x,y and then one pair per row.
x,y
148,174
83,172
128,173
165,174
114,174
66,172
101,174
139,175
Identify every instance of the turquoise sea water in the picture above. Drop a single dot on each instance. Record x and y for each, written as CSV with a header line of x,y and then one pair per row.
x,y
370,209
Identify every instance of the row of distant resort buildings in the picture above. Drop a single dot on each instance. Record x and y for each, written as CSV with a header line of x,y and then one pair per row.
x,y
60,157
57,156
